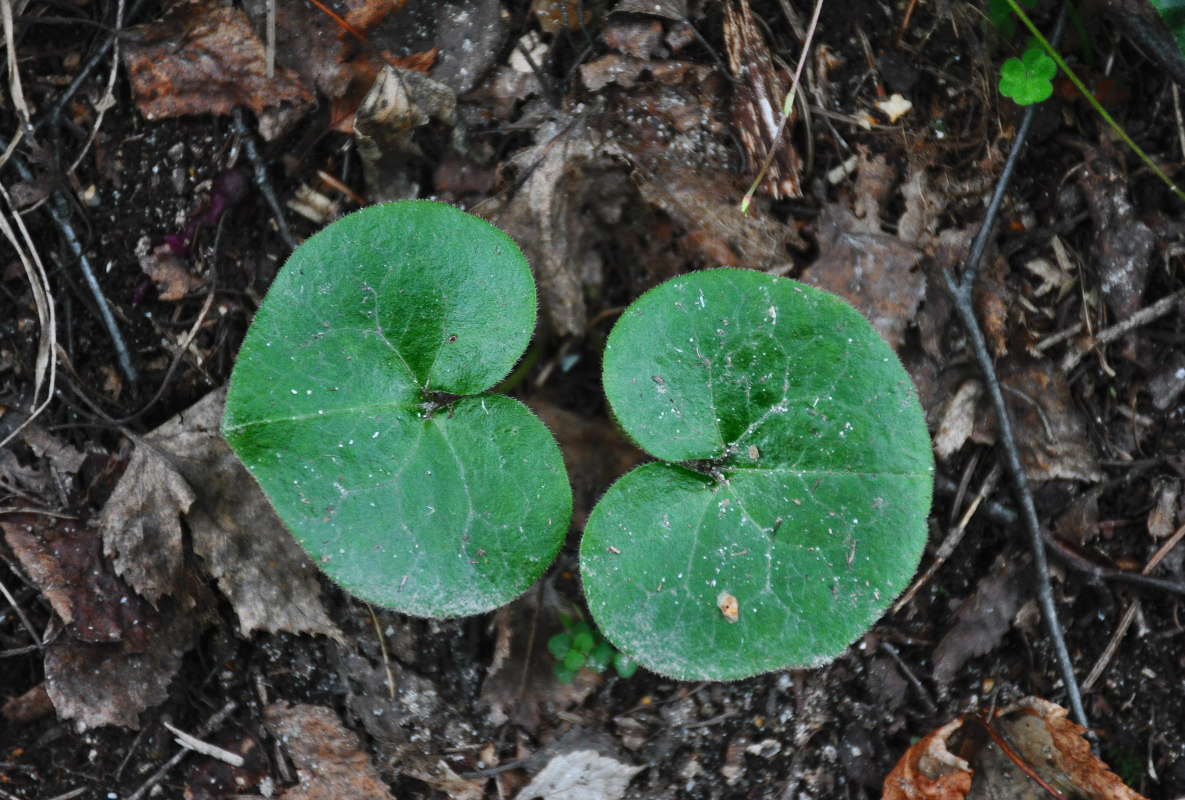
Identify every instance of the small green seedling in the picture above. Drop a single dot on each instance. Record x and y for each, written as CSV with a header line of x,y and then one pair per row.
x,y
359,402
581,646
1029,79
785,511
788,504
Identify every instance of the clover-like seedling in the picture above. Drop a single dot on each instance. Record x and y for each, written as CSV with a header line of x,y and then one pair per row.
x,y
582,646
788,504
359,404
1029,79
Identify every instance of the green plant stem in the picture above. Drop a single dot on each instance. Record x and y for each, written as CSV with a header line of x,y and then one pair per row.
x,y
1090,98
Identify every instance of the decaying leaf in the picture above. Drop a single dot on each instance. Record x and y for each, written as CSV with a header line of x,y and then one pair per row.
x,y
580,775
569,187
98,684
192,474
958,421
1050,430
398,102
982,620
65,560
1124,243
874,271
169,273
1045,746
330,761
141,524
203,57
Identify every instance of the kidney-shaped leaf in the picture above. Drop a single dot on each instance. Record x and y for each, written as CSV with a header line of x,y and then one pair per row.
x,y
407,498
797,508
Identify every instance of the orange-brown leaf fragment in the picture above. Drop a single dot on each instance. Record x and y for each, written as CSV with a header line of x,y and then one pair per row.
x,y
204,58
329,759
928,771
1027,751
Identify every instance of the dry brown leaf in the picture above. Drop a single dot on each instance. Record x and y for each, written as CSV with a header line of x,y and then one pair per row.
x,y
1124,245
958,421
982,620
398,102
141,524
202,57
64,559
557,214
169,273
580,775
1162,519
268,579
98,684
1041,738
330,761
1050,430
874,271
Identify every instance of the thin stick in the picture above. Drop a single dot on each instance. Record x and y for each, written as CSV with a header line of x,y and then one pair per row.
x,y
262,181
207,728
1142,317
963,290
383,649
1130,614
787,107
20,612
205,748
952,539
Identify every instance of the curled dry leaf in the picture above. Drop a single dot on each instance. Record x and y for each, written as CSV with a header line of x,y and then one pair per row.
x,y
1045,747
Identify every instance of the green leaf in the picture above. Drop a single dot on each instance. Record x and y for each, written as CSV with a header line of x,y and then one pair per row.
x,y
574,660
409,499
563,674
559,645
805,487
583,642
1028,80
625,666
1173,14
600,658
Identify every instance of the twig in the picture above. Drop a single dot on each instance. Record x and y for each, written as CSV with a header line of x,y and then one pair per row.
x,y
261,177
922,694
55,110
205,748
1006,516
59,212
952,539
378,630
20,612
963,290
1129,615
1142,317
207,728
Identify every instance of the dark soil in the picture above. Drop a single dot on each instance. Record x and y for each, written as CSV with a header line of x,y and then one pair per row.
x,y
475,713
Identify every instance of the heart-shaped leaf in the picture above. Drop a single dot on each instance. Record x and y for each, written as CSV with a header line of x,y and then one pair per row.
x,y
789,507
343,405
1029,79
